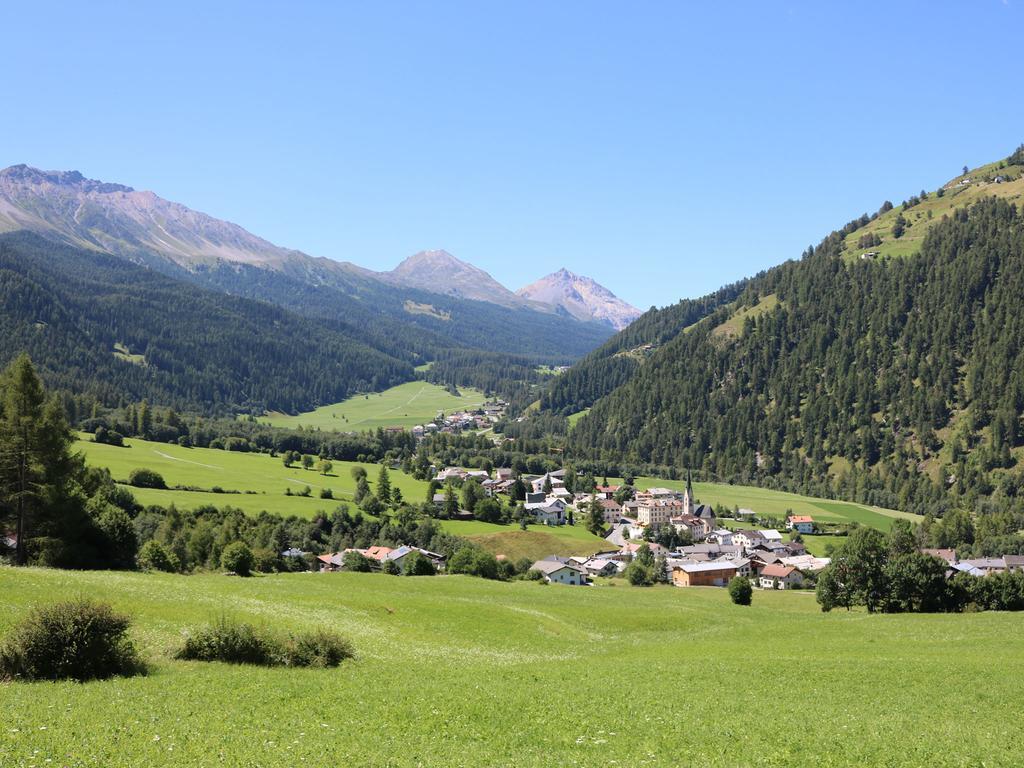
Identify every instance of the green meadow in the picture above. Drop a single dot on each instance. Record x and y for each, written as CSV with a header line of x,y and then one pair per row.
x,y
260,482
405,405
456,671
779,503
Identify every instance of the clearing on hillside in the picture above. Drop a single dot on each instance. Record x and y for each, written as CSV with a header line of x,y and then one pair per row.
x,y
406,405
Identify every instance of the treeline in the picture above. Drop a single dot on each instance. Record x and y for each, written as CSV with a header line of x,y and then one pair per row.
x,y
612,364
100,325
244,435
513,378
897,384
890,574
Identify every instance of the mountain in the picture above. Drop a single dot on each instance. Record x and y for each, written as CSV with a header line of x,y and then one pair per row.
x,y
885,366
431,303
440,272
98,324
582,298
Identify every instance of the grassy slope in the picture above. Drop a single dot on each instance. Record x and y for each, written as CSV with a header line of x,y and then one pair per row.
x,y
267,476
917,217
406,405
454,671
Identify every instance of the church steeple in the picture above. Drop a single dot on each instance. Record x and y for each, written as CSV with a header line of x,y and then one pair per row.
x,y
688,496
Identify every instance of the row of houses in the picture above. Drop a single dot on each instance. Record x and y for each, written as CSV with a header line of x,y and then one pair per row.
x,y
378,555
484,417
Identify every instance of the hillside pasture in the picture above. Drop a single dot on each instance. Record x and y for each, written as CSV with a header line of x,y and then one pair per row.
x,y
405,405
260,478
456,671
537,542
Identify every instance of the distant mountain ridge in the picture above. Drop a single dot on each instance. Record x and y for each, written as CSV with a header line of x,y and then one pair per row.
x,y
431,302
440,272
582,297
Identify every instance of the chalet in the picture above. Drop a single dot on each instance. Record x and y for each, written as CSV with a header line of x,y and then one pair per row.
x,y
987,565
601,566
399,554
800,523
748,538
611,509
376,553
949,555
742,564
778,576
770,534
557,572
721,536
607,491
548,513
713,574
329,563
1014,563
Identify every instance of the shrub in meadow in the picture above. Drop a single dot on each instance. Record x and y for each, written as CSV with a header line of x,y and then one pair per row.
x,y
239,643
146,478
740,590
237,558
154,556
76,640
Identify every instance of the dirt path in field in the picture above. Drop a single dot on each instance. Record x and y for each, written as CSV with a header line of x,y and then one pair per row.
x,y
186,461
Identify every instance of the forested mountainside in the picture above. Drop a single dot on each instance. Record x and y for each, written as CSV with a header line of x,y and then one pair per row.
x,y
405,313
898,382
613,363
96,323
409,323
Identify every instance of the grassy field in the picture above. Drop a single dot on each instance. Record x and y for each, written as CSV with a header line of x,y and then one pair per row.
x,y
267,477
537,542
406,405
453,671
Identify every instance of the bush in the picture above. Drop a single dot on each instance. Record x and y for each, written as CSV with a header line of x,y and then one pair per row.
x,y
154,556
237,558
417,564
390,567
146,478
319,648
230,642
356,561
239,643
740,590
79,640
265,560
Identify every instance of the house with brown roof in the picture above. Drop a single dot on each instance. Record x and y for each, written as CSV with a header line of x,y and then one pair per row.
x,y
779,576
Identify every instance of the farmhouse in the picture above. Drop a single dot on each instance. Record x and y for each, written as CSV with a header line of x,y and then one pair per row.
x,y
555,571
800,523
713,574
778,576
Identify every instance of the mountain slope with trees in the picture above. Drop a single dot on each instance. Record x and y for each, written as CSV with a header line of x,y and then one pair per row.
x,y
96,323
896,381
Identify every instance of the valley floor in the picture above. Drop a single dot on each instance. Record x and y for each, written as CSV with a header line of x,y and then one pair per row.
x,y
454,671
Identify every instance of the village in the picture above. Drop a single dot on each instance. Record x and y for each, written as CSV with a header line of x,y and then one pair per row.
x,y
706,552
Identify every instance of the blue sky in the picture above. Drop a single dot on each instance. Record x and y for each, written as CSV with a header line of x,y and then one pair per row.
x,y
662,148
